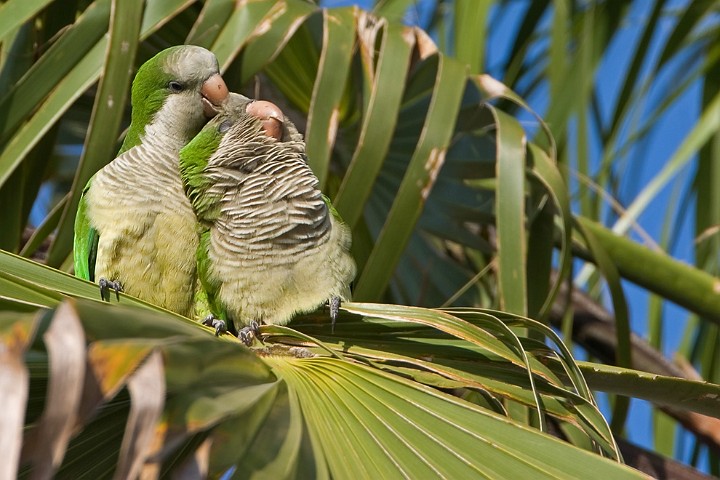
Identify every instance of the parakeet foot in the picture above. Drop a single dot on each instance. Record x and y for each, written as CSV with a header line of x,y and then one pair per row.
x,y
106,286
219,325
334,304
248,334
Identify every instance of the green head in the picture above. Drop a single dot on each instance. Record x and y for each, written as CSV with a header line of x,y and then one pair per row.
x,y
178,89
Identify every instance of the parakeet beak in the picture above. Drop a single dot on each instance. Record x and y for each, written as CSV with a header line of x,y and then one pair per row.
x,y
271,116
214,92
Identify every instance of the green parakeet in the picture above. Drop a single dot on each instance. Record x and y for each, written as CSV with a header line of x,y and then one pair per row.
x,y
135,229
272,245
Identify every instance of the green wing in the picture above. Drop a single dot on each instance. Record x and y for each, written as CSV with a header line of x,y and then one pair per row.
x,y
86,241
332,209
206,300
337,217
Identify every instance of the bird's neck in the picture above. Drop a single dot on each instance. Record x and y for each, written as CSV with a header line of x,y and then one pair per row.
x,y
172,126
164,136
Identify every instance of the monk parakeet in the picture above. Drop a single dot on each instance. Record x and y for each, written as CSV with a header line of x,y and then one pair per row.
x,y
272,245
135,229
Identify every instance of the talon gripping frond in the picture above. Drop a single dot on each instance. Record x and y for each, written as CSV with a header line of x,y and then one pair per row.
x,y
219,325
107,285
249,333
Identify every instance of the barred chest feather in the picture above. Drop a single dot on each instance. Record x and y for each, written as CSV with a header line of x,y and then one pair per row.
x,y
268,203
275,249
148,233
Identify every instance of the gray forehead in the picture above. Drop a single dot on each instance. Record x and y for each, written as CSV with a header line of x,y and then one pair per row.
x,y
233,108
192,63
236,104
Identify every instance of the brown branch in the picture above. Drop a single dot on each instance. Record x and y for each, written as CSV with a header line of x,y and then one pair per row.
x,y
656,465
39,255
594,330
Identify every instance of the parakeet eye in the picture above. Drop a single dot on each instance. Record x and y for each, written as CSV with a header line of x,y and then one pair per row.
x,y
225,126
174,86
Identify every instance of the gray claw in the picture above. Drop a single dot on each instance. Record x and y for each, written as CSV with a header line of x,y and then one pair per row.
x,y
107,285
219,325
334,304
249,333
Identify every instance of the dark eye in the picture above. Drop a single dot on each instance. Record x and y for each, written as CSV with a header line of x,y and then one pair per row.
x,y
225,126
174,86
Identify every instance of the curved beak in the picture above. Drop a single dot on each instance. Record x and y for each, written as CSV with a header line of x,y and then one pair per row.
x,y
271,116
214,92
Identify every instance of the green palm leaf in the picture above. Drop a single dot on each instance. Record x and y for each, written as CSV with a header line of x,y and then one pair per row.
x,y
339,402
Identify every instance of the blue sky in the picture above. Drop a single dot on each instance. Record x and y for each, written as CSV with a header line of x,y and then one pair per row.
x,y
663,140
643,161
646,159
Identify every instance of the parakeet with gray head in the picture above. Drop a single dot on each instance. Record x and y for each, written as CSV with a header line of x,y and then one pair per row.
x,y
272,245
135,228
